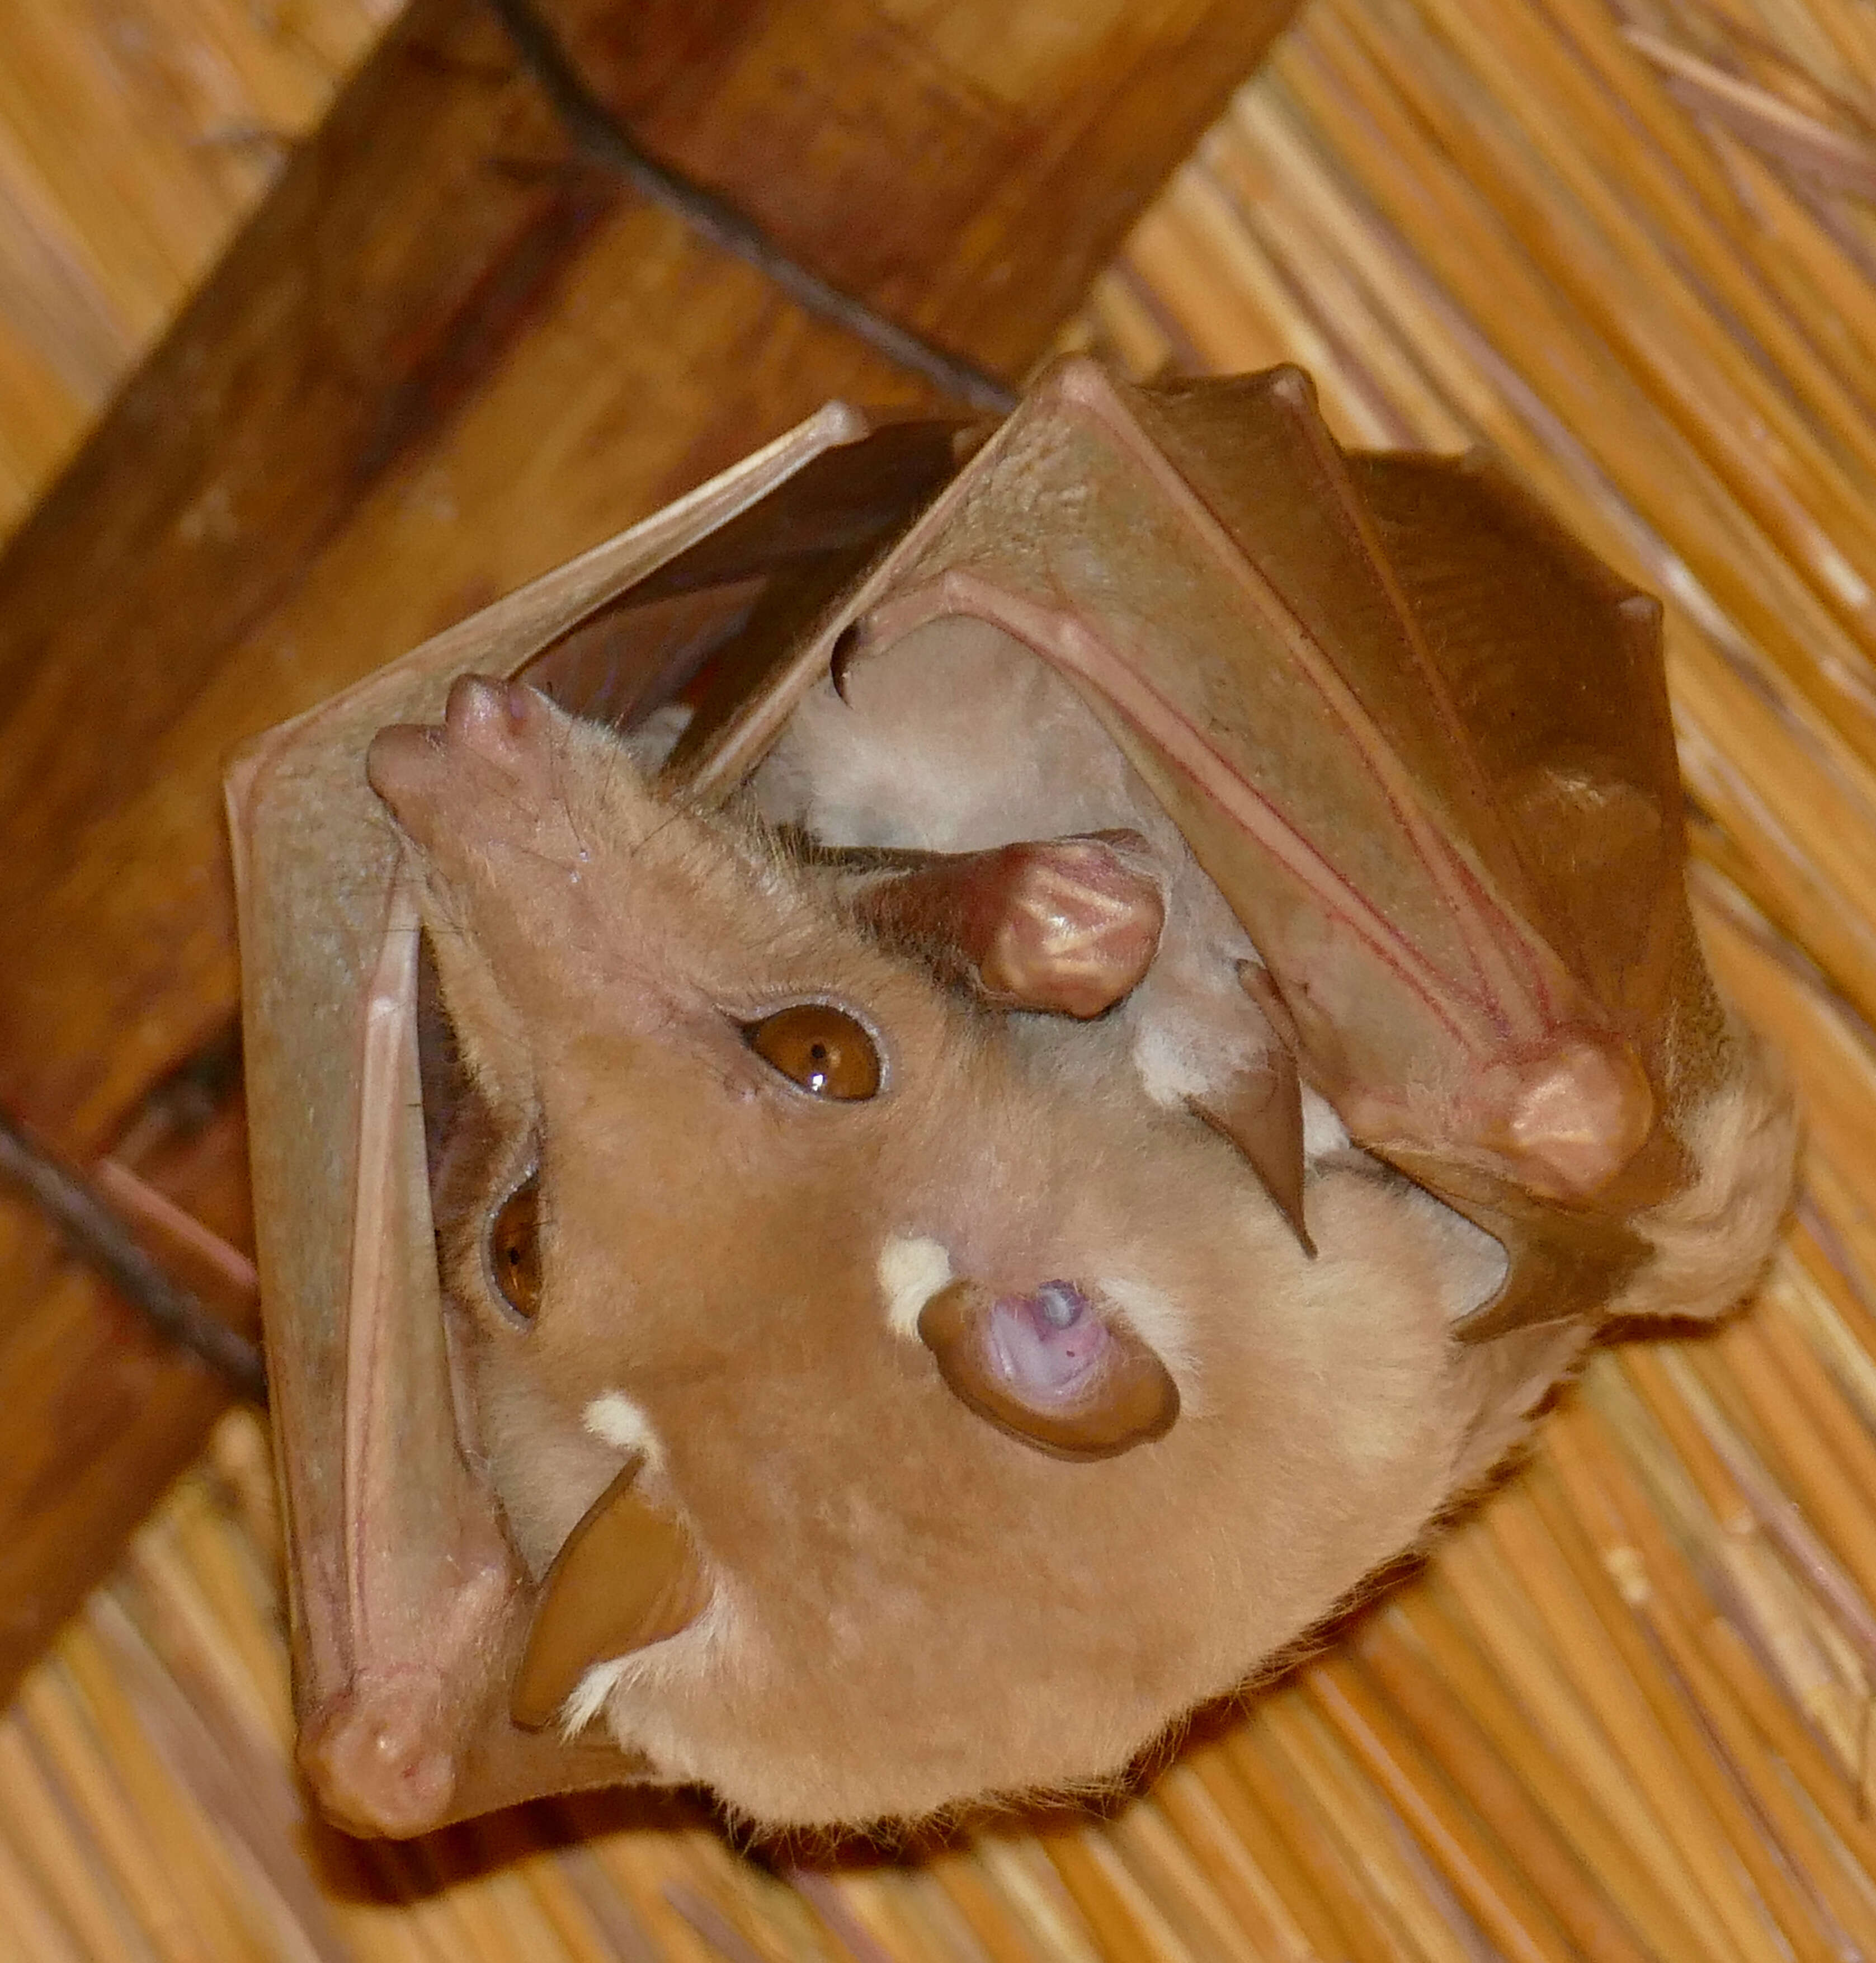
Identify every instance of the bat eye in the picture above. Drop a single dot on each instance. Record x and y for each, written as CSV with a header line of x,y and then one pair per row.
x,y
514,1254
822,1048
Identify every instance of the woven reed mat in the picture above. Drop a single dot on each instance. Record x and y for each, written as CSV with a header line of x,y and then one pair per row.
x,y
1624,1711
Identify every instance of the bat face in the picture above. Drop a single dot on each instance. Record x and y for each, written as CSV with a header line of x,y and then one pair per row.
x,y
754,1148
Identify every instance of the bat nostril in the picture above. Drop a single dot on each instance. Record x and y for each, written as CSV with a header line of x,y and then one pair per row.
x,y
397,763
481,711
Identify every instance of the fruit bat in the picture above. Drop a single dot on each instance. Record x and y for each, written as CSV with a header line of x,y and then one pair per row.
x,y
905,1120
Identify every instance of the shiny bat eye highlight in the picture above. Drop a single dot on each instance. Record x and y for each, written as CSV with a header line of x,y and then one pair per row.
x,y
514,1254
821,1048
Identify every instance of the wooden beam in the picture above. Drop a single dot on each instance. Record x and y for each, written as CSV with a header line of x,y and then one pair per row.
x,y
454,346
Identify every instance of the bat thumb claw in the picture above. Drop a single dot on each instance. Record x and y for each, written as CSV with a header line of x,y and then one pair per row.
x,y
846,645
1261,1112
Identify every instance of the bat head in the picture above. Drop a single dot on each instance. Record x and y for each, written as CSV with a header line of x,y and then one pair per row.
x,y
889,1404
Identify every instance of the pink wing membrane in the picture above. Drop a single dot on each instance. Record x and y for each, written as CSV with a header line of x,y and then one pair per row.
x,y
1239,631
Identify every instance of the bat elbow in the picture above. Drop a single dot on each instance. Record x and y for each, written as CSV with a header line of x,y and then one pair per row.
x,y
373,1758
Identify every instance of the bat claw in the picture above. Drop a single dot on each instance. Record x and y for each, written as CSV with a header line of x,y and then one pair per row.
x,y
1577,1119
488,768
846,644
1260,1110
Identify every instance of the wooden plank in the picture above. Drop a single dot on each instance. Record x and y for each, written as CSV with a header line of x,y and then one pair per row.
x,y
129,155
450,351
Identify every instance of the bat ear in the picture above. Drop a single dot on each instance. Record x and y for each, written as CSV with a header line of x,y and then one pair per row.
x,y
1049,1368
627,1576
1066,926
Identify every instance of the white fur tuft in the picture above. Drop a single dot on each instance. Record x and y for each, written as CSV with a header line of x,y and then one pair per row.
x,y
587,1698
1712,1238
1169,1071
612,1417
911,1271
1157,1319
1324,1130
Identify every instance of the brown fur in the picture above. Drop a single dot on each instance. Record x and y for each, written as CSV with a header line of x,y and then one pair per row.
x,y
909,1606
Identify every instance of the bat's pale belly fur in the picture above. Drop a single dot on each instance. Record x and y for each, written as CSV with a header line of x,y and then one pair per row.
x,y
907,1607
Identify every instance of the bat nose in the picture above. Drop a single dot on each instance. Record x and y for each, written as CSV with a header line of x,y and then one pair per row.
x,y
489,736
401,763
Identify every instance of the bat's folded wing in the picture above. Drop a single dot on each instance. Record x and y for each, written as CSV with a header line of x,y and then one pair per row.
x,y
1417,735
409,1608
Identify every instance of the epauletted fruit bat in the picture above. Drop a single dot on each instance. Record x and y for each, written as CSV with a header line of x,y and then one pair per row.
x,y
903,1120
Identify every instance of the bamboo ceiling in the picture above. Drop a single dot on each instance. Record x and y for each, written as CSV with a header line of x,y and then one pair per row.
x,y
1624,1711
